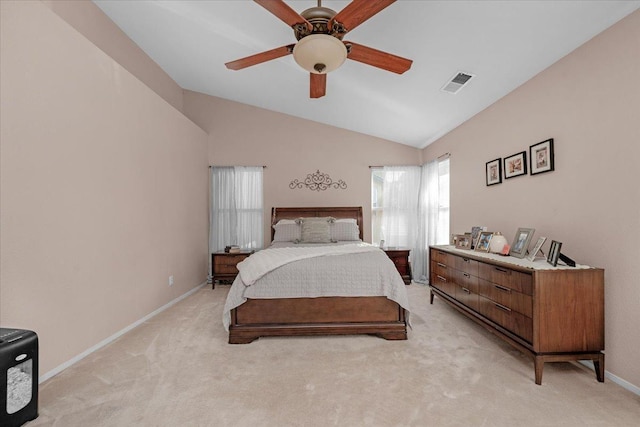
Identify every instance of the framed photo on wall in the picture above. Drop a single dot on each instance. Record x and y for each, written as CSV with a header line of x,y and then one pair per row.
x,y
541,157
494,172
515,165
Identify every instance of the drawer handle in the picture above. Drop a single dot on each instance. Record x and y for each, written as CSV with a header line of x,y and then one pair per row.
x,y
501,270
441,253
466,260
502,288
502,307
442,279
466,290
467,275
442,265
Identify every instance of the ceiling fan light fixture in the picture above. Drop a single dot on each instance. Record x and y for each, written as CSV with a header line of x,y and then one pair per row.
x,y
320,53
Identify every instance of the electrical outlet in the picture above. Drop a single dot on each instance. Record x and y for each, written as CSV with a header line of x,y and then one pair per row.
x,y
170,280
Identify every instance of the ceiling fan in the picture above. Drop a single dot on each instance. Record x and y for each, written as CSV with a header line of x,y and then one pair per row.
x,y
320,49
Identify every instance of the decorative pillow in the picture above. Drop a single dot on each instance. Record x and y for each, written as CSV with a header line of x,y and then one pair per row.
x,y
345,229
287,231
316,230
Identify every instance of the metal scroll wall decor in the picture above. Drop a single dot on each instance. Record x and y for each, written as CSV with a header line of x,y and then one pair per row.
x,y
318,181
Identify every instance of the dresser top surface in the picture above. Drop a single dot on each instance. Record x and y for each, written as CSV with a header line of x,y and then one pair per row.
x,y
513,262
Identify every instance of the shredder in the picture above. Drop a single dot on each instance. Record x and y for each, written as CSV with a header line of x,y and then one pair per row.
x,y
18,376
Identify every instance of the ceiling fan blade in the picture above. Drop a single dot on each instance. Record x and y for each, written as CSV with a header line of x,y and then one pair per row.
x,y
318,87
358,11
378,58
259,58
282,10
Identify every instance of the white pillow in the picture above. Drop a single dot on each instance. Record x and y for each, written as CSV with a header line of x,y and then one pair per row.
x,y
345,230
288,221
287,232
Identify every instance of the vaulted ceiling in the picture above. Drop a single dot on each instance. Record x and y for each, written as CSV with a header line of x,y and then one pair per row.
x,y
501,43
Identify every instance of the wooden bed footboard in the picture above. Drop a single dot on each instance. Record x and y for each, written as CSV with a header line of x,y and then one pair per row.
x,y
317,316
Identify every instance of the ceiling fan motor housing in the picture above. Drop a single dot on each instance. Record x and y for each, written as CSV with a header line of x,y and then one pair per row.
x,y
319,50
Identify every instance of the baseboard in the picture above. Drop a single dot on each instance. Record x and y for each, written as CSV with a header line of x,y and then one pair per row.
x,y
616,379
55,371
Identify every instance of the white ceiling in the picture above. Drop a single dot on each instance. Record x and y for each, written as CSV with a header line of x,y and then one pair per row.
x,y
504,43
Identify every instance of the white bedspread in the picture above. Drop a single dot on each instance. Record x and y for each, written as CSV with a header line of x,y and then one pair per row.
x,y
262,262
361,270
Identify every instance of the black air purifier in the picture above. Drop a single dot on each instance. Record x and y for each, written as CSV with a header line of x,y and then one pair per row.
x,y
18,377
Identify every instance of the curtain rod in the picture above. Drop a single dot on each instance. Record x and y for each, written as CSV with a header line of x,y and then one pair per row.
x,y
438,158
217,166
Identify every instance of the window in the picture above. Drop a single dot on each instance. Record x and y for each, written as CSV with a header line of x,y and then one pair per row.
x,y
395,204
442,229
410,208
236,214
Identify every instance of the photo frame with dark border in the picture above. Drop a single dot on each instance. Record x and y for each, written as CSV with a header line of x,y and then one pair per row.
x,y
521,242
475,233
554,253
483,241
541,158
515,165
494,172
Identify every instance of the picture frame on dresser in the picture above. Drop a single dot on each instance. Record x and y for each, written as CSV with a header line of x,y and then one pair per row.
x,y
483,241
541,157
537,248
554,253
463,241
515,165
521,242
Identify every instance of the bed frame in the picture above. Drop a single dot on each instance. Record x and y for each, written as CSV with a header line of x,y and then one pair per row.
x,y
317,316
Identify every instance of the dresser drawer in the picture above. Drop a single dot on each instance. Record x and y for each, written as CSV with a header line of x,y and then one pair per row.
x,y
443,258
443,270
466,296
521,282
509,319
441,279
467,280
467,265
507,297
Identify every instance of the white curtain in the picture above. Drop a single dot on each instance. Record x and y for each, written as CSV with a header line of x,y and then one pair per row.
x,y
400,205
433,228
236,211
429,214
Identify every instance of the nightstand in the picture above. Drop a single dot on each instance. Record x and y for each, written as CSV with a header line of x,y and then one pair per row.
x,y
223,265
400,257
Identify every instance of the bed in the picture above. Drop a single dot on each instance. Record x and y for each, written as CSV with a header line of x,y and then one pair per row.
x,y
382,312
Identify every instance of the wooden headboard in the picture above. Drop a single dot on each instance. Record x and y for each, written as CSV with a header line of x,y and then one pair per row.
x,y
337,212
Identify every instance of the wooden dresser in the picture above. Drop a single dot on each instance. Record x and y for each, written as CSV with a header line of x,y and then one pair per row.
x,y
223,265
400,257
552,314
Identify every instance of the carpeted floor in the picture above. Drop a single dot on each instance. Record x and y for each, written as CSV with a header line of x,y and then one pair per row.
x,y
178,370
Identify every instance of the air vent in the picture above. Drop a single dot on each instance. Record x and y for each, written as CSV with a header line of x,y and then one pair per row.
x,y
457,82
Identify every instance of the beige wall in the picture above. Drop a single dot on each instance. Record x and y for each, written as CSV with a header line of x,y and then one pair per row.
x,y
589,102
291,148
103,189
89,20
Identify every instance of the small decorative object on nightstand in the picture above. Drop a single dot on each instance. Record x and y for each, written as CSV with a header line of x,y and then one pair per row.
x,y
224,265
400,257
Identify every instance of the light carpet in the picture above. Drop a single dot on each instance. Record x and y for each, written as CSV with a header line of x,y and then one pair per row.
x,y
178,370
